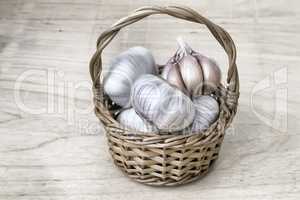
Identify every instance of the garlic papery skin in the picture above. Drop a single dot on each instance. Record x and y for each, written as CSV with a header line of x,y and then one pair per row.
x,y
207,111
130,119
172,74
124,70
191,72
165,106
211,73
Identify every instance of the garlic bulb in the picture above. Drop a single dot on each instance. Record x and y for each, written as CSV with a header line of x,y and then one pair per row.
x,y
124,70
130,119
191,72
165,106
207,111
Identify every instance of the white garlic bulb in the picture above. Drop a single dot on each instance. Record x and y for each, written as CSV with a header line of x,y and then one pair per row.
x,y
124,70
191,72
165,106
207,111
130,119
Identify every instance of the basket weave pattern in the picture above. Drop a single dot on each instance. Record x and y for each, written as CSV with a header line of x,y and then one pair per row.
x,y
165,159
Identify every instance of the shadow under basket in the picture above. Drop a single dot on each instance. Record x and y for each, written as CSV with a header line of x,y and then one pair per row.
x,y
169,159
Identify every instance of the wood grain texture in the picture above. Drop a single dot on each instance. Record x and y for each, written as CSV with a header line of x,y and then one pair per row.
x,y
60,152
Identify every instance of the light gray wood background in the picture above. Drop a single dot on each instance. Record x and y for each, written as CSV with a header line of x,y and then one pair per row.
x,y
53,147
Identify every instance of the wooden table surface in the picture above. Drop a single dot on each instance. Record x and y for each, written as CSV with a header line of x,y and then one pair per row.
x,y
52,145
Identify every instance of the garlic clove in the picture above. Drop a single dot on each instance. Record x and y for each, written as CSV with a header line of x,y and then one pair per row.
x,y
173,75
190,68
211,73
192,74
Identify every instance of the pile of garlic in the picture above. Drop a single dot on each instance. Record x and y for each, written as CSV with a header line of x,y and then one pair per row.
x,y
180,98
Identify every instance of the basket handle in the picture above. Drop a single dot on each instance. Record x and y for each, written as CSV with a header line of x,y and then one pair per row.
x,y
185,13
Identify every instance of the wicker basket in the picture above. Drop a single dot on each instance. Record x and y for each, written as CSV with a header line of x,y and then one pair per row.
x,y
165,159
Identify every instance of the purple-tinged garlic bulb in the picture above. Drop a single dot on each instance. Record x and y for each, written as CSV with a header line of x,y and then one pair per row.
x,y
191,72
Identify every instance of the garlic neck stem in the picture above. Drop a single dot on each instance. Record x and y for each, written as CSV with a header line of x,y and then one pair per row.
x,y
186,49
